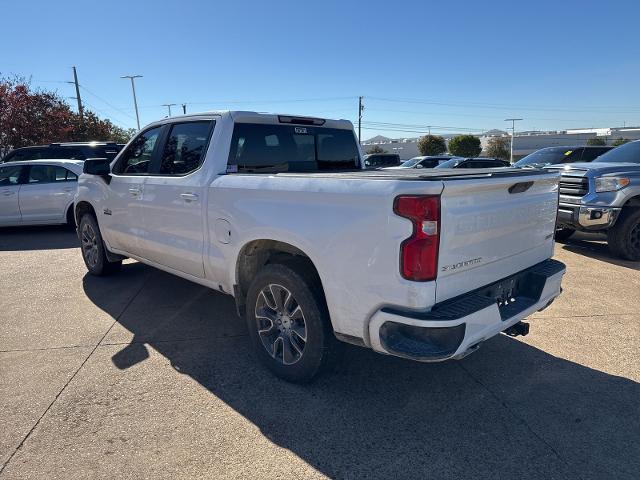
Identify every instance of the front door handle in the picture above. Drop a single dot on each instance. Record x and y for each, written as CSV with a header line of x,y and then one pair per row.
x,y
134,191
7,193
189,197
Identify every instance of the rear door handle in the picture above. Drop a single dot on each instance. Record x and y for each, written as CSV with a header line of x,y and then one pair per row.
x,y
134,191
189,197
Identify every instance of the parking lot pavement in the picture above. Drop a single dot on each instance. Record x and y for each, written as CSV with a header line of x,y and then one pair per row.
x,y
144,375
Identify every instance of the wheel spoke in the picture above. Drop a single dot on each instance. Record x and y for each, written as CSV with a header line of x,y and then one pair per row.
x,y
276,346
299,331
277,291
289,356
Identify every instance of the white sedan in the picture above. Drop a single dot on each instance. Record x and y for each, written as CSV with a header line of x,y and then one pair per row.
x,y
38,192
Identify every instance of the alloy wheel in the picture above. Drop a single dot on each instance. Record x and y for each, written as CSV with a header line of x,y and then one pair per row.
x,y
89,245
281,324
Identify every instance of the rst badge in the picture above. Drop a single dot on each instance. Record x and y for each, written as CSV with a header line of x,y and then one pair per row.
x,y
301,130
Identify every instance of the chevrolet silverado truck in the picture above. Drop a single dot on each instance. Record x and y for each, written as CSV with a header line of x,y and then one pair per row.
x,y
603,196
277,211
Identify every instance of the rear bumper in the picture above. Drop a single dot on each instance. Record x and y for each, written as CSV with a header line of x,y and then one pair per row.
x,y
455,328
585,217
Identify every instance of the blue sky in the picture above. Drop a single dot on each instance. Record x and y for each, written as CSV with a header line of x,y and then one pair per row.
x,y
460,65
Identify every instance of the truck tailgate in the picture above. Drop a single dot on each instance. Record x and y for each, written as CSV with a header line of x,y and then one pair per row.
x,y
492,228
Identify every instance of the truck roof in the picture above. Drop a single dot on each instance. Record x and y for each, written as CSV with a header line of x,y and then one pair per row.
x,y
243,116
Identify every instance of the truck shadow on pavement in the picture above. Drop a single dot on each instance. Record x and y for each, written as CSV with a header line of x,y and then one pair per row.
x,y
595,246
50,237
508,411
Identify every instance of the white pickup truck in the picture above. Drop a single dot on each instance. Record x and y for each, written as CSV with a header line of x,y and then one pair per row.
x,y
277,211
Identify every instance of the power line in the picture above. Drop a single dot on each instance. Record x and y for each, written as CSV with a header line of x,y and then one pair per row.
x,y
106,102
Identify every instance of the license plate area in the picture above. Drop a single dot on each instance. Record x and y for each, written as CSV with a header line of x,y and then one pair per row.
x,y
515,294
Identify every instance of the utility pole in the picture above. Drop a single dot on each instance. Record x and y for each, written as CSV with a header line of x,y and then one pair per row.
x,y
135,101
80,109
513,133
168,105
184,108
360,109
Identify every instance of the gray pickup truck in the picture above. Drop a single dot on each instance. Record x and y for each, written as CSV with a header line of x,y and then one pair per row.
x,y
603,196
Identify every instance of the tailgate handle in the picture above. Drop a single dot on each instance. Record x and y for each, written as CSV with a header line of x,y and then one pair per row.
x,y
520,187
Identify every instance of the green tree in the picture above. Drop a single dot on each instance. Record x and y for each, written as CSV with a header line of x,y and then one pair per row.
x,y
465,146
596,141
619,141
31,116
499,147
376,149
431,145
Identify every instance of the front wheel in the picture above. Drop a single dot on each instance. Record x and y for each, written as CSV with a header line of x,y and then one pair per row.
x,y
624,237
93,250
288,323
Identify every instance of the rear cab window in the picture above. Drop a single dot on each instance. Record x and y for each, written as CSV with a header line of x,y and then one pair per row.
x,y
257,148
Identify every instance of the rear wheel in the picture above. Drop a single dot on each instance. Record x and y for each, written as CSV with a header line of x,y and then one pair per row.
x,y
288,323
93,250
563,234
624,237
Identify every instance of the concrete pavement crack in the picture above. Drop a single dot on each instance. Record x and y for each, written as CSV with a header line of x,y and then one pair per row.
x,y
95,347
516,416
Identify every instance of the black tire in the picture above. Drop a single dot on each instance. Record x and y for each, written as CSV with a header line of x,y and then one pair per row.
x,y
92,247
320,344
563,234
71,220
624,236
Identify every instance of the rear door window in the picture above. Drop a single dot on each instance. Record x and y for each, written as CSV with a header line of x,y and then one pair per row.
x,y
49,174
185,147
280,148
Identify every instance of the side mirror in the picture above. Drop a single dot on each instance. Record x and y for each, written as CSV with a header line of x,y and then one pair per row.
x,y
419,166
98,166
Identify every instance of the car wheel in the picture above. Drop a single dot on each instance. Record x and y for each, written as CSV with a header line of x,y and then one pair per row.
x,y
288,322
71,221
563,234
93,250
624,236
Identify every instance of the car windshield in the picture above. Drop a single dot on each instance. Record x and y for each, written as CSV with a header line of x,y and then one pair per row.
x,y
545,156
410,163
627,153
451,163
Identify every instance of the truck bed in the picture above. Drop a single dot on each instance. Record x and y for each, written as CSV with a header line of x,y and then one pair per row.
x,y
411,174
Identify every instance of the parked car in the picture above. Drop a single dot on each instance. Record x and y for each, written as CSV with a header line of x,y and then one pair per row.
x,y
70,151
37,192
555,155
603,196
276,211
474,162
425,161
379,160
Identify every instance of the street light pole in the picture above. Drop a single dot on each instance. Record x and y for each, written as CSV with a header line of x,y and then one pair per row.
x,y
513,133
135,100
168,105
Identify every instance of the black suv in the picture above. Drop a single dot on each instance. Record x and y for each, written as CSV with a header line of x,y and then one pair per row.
x,y
556,155
71,151
379,160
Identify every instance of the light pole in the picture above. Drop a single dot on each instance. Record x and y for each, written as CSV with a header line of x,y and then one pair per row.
x,y
168,105
513,133
135,101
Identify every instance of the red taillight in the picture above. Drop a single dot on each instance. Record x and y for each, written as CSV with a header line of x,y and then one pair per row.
x,y
419,252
